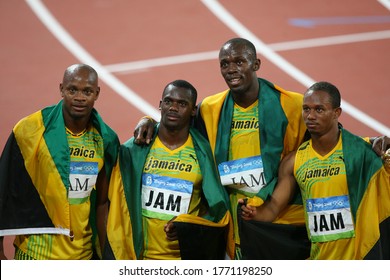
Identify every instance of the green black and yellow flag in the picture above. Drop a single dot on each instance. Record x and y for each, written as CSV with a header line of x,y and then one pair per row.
x,y
281,130
369,194
34,173
124,226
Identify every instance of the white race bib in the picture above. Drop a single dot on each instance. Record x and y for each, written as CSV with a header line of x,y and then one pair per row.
x,y
83,176
245,175
165,197
329,218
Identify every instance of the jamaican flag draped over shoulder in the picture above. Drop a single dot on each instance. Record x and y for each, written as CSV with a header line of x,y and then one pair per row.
x,y
281,127
34,173
369,194
198,236
281,130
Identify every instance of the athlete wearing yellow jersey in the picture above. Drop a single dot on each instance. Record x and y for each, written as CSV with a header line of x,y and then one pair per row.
x,y
86,161
167,196
342,182
250,127
171,185
51,168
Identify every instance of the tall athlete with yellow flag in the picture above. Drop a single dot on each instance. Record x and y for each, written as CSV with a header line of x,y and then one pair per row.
x,y
50,169
344,185
250,127
166,199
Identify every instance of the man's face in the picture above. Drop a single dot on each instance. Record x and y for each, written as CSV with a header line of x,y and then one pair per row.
x,y
238,67
318,113
177,108
79,92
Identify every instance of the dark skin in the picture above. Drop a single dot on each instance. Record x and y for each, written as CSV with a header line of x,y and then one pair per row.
x,y
321,120
177,109
102,184
79,90
380,145
238,66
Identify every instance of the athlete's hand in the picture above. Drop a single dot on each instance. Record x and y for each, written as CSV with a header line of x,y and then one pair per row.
x,y
170,230
380,145
143,132
247,212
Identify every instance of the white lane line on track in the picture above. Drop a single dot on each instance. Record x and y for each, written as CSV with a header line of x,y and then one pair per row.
x,y
80,53
143,65
163,61
385,3
229,20
65,38
331,40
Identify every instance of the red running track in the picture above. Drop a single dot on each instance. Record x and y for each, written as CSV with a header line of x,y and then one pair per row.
x,y
140,46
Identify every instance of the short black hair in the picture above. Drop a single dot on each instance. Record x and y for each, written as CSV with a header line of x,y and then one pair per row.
x,y
186,85
242,41
332,90
75,68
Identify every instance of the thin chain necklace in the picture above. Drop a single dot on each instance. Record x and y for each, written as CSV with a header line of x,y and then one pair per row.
x,y
75,134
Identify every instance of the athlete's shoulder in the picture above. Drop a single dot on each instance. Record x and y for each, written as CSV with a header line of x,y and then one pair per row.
x,y
215,98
